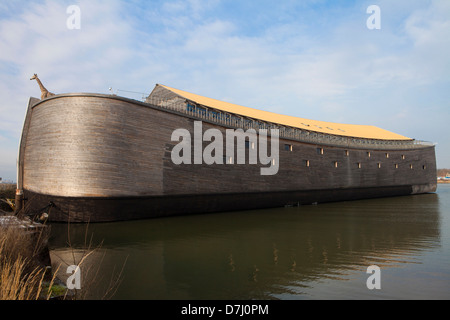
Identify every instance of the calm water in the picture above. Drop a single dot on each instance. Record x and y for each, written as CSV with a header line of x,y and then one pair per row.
x,y
308,252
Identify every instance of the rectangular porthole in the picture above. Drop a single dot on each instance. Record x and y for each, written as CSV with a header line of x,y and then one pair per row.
x,y
227,160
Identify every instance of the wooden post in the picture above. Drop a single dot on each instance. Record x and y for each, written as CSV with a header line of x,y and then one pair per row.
x,y
18,201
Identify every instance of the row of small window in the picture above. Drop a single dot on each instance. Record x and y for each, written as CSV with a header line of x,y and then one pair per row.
x,y
359,165
247,121
289,147
230,160
217,115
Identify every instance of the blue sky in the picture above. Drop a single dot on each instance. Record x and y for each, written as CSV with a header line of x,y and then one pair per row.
x,y
313,59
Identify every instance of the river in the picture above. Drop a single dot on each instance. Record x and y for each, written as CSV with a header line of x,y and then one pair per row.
x,y
309,252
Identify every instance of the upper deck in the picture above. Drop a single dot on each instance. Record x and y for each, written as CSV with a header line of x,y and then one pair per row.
x,y
293,128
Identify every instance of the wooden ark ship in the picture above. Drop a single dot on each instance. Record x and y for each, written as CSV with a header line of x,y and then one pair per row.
x,y
98,157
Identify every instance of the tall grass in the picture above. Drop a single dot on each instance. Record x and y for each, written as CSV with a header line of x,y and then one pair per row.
x,y
22,277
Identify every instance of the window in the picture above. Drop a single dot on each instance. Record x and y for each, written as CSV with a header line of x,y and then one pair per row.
x,y
190,107
346,153
288,147
410,166
379,165
396,166
424,167
201,111
387,155
359,165
227,160
249,145
335,164
403,157
368,154
319,150
306,162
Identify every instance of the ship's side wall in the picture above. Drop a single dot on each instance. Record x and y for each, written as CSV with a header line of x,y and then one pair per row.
x,y
91,146
302,167
23,140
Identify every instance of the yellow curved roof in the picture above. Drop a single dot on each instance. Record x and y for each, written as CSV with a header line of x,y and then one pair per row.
x,y
348,130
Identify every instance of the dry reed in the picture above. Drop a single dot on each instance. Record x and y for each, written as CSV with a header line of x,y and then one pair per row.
x,y
21,276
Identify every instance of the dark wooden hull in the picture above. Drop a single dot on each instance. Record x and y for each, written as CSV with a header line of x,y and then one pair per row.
x,y
63,209
91,157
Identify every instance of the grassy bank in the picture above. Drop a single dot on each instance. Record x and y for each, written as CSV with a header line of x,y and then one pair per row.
x,y
23,273
26,270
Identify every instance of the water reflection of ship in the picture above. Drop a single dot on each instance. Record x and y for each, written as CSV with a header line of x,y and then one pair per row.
x,y
269,252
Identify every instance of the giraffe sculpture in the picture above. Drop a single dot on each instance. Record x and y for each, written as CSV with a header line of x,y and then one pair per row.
x,y
44,92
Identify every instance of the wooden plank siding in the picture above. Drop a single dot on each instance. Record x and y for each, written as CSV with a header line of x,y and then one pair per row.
x,y
85,147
